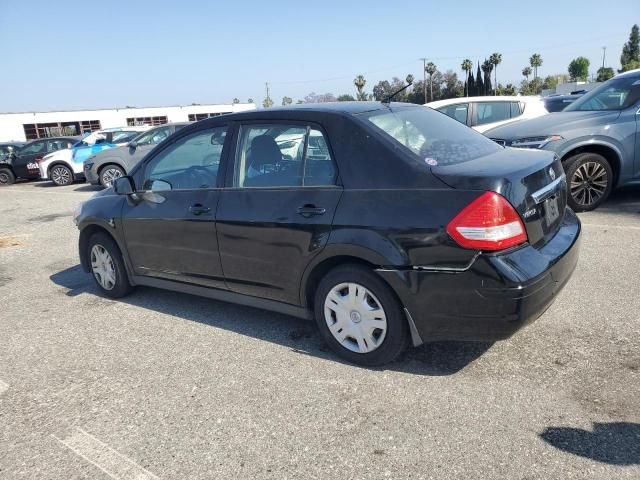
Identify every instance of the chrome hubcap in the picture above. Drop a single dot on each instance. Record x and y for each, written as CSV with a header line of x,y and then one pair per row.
x,y
589,183
103,267
60,175
109,175
355,317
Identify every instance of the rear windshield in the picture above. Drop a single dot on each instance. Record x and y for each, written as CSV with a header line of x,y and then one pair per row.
x,y
434,138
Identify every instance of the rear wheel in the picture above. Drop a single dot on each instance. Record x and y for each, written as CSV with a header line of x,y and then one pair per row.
x,y
590,180
107,266
6,177
109,173
359,316
61,175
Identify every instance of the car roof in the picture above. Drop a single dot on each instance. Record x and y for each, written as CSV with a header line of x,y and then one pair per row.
x,y
488,98
352,108
629,73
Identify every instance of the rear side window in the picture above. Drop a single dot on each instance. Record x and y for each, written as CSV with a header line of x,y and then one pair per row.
x,y
280,155
431,137
490,112
457,112
517,109
55,145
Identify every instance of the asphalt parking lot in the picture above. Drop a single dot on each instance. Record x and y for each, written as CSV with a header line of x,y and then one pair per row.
x,y
166,385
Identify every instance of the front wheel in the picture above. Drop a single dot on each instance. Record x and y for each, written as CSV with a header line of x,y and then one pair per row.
x,y
109,173
590,180
61,175
6,177
107,266
359,316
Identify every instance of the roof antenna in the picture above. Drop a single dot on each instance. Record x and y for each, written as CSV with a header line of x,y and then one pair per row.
x,y
387,100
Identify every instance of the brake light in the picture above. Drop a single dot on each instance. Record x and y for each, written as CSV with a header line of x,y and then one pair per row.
x,y
488,223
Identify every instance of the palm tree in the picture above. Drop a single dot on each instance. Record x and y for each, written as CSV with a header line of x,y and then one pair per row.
x,y
236,100
535,61
495,59
526,71
466,67
360,82
487,66
431,69
410,79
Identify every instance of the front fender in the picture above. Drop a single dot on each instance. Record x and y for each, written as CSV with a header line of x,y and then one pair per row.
x,y
626,168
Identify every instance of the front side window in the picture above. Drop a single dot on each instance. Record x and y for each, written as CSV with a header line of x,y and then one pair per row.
x,y
55,145
615,94
490,112
279,155
431,137
190,163
34,148
457,112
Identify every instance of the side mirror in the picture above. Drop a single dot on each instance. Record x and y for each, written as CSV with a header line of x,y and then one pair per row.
x,y
124,185
133,144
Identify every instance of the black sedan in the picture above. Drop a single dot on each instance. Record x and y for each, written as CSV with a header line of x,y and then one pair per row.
x,y
387,223
22,161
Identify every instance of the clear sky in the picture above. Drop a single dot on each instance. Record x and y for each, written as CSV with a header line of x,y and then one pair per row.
x,y
59,56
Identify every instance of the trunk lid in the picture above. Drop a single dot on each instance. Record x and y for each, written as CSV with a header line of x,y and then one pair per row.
x,y
532,181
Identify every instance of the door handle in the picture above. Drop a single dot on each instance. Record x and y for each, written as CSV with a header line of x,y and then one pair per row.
x,y
199,209
310,210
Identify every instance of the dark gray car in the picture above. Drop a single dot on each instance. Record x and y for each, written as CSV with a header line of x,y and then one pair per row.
x,y
597,138
105,166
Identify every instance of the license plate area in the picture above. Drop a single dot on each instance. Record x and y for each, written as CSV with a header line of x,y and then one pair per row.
x,y
551,210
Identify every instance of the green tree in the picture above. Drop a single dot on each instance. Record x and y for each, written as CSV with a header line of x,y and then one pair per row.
x,y
409,79
431,69
471,84
630,58
236,100
250,100
466,67
487,67
579,69
360,82
526,71
267,103
345,97
495,59
286,101
604,74
510,89
535,61
451,86
479,83
416,95
550,82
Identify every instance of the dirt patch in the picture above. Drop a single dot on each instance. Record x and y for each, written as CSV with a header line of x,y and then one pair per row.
x,y
11,242
48,218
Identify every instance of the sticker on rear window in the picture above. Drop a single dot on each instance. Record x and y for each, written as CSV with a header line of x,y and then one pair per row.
x,y
431,161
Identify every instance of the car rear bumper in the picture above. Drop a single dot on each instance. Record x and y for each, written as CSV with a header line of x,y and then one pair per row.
x,y
497,295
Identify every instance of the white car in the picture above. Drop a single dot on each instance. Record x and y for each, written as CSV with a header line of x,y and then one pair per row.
x,y
65,166
483,113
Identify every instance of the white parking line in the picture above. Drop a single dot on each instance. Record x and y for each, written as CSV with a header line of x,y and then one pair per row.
x,y
603,225
104,457
47,191
3,387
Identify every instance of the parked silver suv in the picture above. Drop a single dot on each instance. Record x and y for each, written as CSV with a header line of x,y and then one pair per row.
x,y
597,138
104,167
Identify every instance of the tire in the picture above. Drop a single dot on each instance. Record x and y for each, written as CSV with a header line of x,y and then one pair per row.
x,y
590,180
344,299
61,175
109,272
110,173
6,177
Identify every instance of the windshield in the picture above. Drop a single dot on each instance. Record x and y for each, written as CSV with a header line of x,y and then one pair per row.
x,y
616,94
433,137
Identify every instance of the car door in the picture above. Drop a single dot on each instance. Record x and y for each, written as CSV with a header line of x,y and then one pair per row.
x,y
25,163
277,211
170,232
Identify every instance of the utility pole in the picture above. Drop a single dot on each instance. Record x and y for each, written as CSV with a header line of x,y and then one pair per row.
x,y
266,84
424,78
604,52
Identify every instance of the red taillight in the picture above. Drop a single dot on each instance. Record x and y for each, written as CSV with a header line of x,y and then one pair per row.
x,y
488,223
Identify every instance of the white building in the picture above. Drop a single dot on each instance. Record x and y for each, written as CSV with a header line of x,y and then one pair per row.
x,y
32,125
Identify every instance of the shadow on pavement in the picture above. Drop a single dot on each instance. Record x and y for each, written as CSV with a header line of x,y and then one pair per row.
x,y
302,337
612,443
